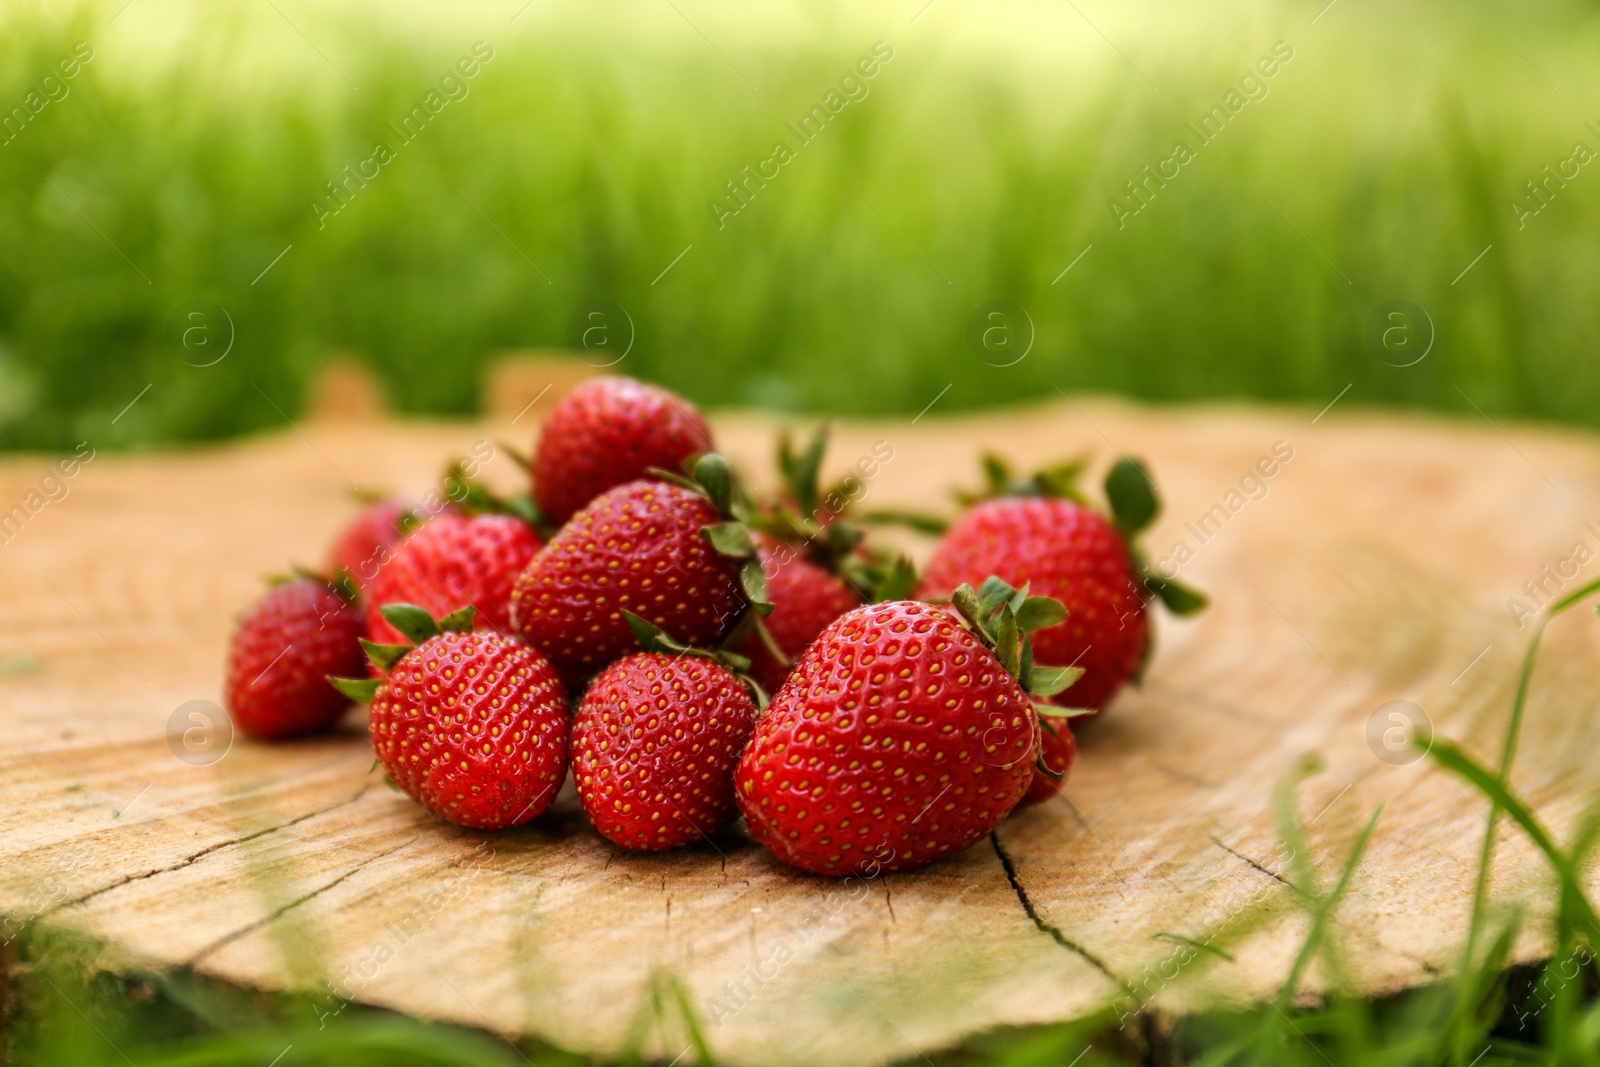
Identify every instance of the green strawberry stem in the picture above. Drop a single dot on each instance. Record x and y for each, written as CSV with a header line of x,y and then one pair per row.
x,y
833,545
1045,769
801,481
1047,713
896,583
1051,711
339,581
520,458
361,690
653,638
1178,598
1059,480
1048,681
414,622
712,478
1134,504
384,657
715,477
828,543
1003,617
731,539
1132,497
417,626
800,471
752,622
471,497
911,520
458,621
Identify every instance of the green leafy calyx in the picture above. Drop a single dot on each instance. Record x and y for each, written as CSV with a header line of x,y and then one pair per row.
x,y
1004,618
471,497
896,582
417,626
712,478
1057,481
653,638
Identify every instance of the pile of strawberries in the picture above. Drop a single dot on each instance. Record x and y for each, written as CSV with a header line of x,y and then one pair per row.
x,y
694,654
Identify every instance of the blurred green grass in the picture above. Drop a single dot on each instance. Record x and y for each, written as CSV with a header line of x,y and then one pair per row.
x,y
187,153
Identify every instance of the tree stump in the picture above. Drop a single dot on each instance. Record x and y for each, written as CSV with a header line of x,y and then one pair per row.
x,y
1374,564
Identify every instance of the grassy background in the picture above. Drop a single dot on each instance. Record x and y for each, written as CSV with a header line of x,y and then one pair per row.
x,y
1383,160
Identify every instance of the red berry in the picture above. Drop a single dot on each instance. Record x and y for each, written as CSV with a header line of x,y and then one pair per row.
x,y
608,431
450,563
1057,747
367,543
636,547
899,739
364,546
283,651
654,747
805,599
1062,550
474,727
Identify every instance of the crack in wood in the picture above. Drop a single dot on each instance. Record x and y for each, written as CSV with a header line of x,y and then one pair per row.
x,y
1405,954
1027,906
1224,696
1418,960
1184,777
267,920
1194,698
195,857
1246,859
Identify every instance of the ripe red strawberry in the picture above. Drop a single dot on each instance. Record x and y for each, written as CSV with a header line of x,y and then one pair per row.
x,y
1066,550
296,635
471,724
654,747
901,737
364,546
1057,747
805,598
450,563
645,547
815,565
608,431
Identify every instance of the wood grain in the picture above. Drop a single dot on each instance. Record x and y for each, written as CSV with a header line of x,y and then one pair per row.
x,y
1376,566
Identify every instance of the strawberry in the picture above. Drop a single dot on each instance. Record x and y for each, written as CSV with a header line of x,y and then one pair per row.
x,y
902,736
656,740
470,724
805,598
608,431
296,635
662,549
368,542
1056,751
812,558
1064,549
451,563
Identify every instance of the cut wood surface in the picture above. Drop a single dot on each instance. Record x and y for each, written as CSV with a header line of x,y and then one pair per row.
x,y
1374,565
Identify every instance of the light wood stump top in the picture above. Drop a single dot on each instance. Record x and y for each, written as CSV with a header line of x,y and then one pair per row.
x,y
1376,566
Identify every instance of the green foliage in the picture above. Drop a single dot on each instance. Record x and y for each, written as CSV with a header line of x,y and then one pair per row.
x,y
979,166
187,153
1134,504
